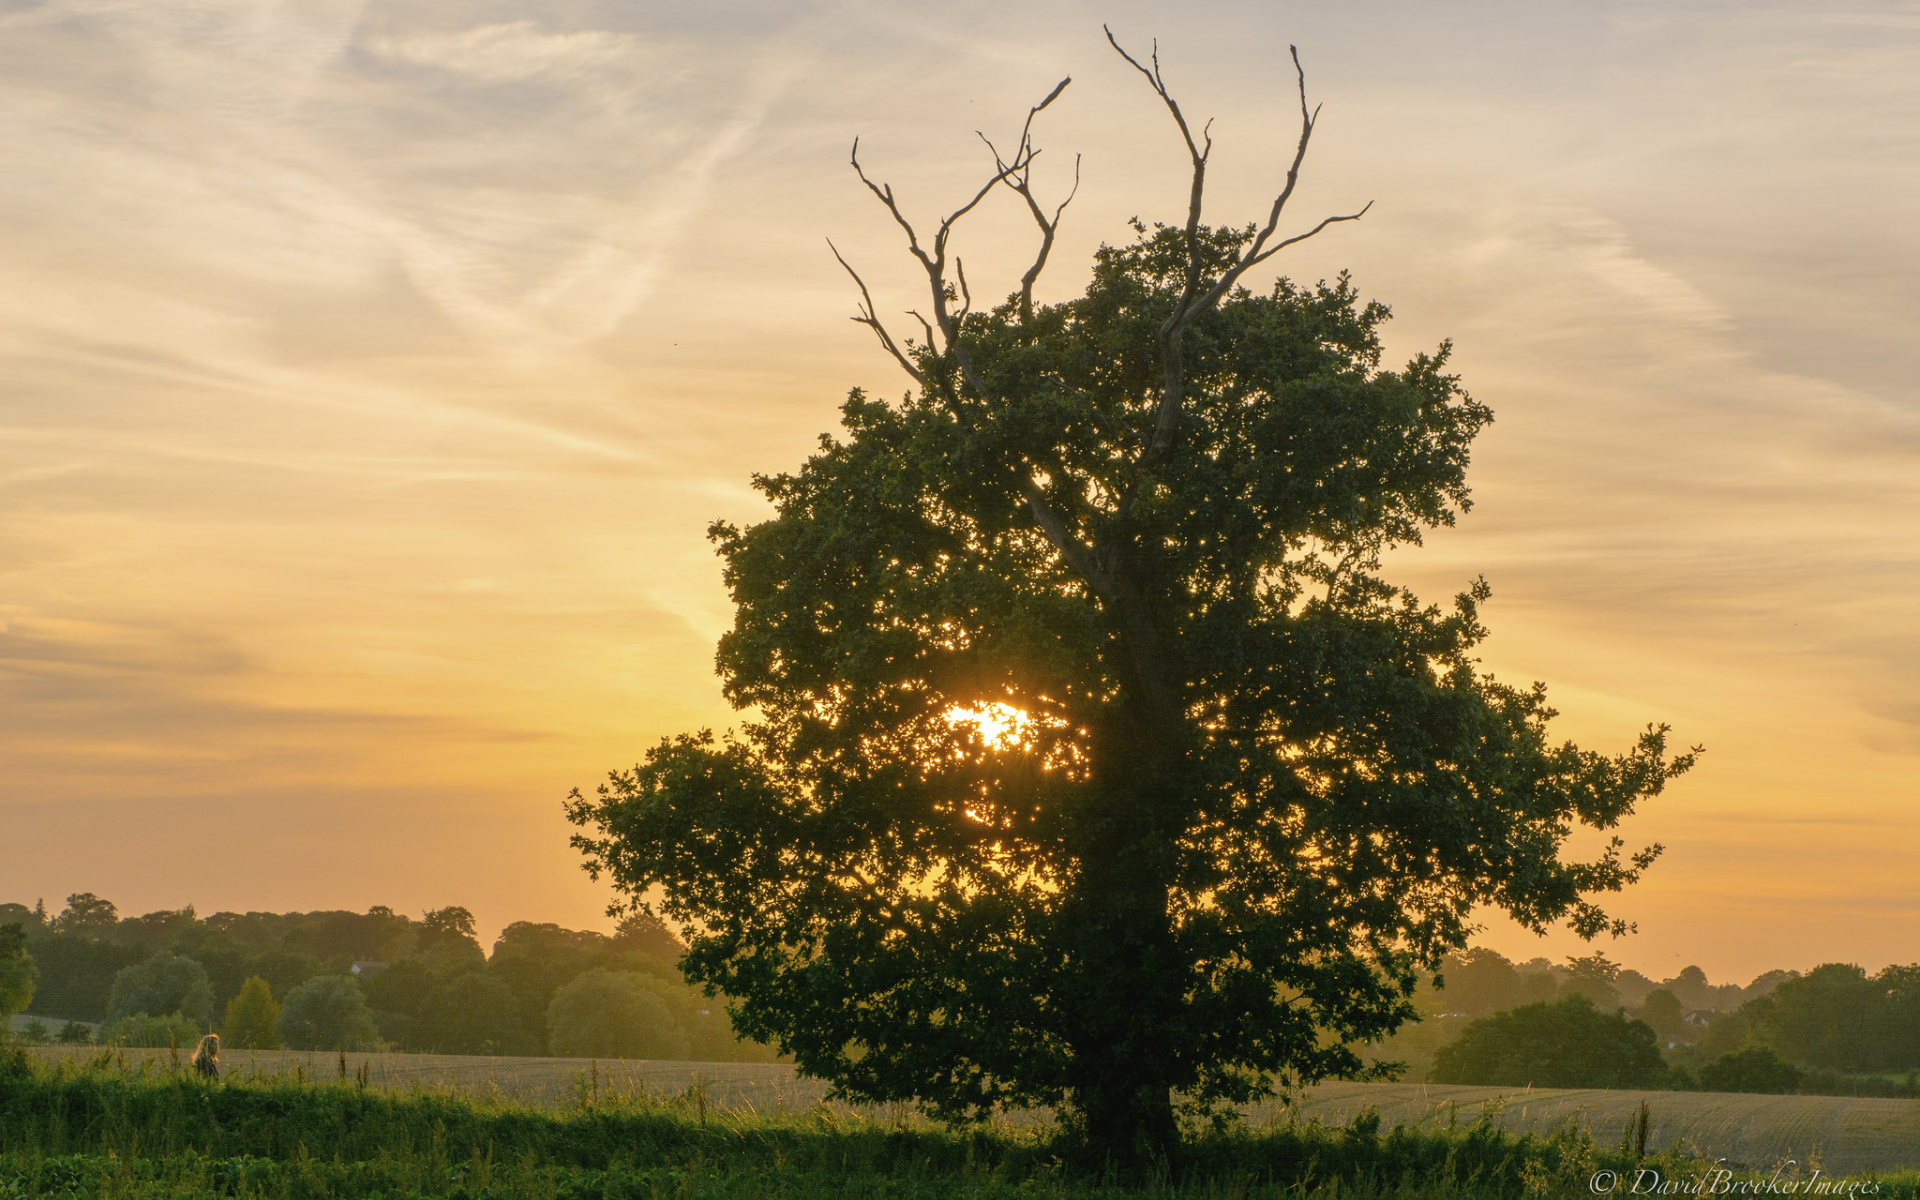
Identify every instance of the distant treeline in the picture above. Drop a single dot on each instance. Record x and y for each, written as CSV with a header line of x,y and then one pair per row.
x,y
362,980
1590,1023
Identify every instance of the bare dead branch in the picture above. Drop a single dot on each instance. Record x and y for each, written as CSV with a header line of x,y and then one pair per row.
x,y
1016,172
871,320
1197,154
1192,302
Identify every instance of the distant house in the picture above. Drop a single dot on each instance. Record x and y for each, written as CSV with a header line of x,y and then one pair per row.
x,y
367,967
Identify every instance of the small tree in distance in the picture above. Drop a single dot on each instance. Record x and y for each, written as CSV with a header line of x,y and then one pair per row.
x,y
612,1014
250,1018
18,972
1092,760
327,1012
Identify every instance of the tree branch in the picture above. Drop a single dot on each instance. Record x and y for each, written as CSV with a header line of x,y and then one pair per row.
x,y
871,321
1192,302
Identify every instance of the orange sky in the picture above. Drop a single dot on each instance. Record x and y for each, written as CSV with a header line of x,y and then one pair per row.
x,y
370,371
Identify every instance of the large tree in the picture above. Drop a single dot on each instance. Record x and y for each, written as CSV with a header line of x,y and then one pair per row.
x,y
1091,761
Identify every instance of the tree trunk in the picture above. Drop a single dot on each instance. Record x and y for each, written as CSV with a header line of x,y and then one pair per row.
x,y
1130,986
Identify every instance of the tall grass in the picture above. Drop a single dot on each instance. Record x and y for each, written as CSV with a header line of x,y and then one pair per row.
x,y
100,1130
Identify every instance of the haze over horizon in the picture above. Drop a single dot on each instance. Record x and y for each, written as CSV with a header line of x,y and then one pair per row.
x,y
370,371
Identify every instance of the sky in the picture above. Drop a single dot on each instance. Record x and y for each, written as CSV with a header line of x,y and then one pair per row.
x,y
370,372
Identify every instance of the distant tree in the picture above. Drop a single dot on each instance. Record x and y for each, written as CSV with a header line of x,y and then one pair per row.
x,y
1898,1032
399,997
76,973
327,1012
250,1018
609,1014
1829,1017
156,929
646,934
1477,981
1592,977
36,1033
448,935
87,915
1662,1010
1724,1034
149,1030
1568,1043
18,972
166,983
1764,984
1754,1069
472,1013
76,1033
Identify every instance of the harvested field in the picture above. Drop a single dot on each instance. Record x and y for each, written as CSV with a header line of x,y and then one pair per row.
x,y
1843,1135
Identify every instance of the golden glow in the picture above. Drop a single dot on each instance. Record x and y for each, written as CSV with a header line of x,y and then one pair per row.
x,y
1000,726
371,375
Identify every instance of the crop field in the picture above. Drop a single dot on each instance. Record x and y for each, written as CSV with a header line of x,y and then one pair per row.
x,y
1842,1135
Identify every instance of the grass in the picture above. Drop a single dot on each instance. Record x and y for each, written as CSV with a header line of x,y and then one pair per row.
x,y
93,1130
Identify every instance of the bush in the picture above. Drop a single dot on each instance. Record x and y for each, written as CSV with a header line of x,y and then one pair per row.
x,y
250,1018
612,1014
165,983
1755,1069
76,1033
141,1029
1565,1044
327,1012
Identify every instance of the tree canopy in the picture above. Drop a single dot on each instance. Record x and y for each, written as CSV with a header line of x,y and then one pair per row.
x,y
1568,1043
1090,757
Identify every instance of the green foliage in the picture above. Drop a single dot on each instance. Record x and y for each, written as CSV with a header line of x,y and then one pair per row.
x,y
1592,976
1480,981
1257,784
608,1014
86,915
165,983
143,1029
327,1012
251,1018
1568,1043
473,1013
18,972
1755,1069
1839,1018
1661,1010
76,1033
76,974
98,1132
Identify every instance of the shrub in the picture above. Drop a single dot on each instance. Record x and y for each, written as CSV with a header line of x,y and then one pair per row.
x,y
1755,1069
142,1029
612,1014
76,1033
1565,1044
326,1012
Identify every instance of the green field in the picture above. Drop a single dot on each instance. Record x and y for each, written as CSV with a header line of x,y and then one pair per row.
x,y
140,1128
1844,1135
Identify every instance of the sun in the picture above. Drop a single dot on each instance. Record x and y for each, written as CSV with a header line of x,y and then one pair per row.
x,y
999,725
